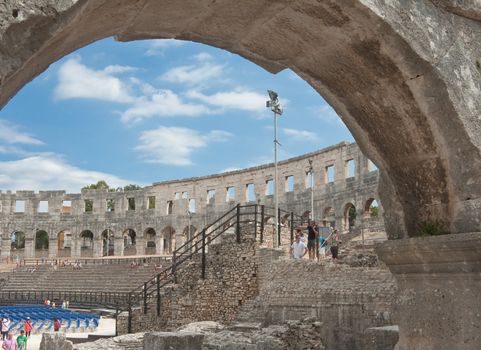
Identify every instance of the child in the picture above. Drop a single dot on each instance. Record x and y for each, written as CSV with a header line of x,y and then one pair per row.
x,y
22,341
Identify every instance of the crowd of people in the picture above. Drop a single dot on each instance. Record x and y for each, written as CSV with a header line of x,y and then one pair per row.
x,y
316,244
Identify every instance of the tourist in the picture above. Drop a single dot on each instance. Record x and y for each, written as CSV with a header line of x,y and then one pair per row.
x,y
22,341
312,235
56,325
322,246
27,327
298,248
5,328
9,343
334,240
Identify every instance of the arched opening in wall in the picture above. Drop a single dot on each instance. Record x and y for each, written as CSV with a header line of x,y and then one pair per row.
x,y
150,241
108,243
64,244
168,240
130,242
188,234
329,217
17,245
86,244
41,244
349,218
306,216
371,208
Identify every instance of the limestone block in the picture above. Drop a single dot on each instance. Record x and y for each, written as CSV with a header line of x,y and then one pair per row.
x,y
55,341
381,338
173,341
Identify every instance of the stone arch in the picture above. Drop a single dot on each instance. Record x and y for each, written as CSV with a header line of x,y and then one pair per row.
x,y
349,217
168,240
150,237
108,242
17,245
64,243
380,57
41,243
329,217
368,208
86,244
130,241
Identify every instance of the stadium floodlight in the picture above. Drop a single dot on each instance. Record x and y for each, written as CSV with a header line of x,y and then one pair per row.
x,y
276,108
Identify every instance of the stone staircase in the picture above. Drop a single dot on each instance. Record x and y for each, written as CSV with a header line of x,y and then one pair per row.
x,y
94,278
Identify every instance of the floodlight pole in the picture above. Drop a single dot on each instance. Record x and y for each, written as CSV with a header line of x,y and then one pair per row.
x,y
275,107
276,203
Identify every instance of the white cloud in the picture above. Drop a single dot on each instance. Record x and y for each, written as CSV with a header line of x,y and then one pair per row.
x,y
117,69
301,135
229,169
75,80
10,134
193,74
158,46
241,99
203,56
175,145
162,103
50,172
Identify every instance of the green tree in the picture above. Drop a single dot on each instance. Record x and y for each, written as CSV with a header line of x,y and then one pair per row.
x,y
374,211
98,186
132,187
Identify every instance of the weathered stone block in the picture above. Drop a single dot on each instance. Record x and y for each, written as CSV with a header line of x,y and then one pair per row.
x,y
173,341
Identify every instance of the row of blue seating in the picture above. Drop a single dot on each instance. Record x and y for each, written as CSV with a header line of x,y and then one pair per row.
x,y
42,316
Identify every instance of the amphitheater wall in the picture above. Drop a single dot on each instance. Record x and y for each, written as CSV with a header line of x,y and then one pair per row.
x,y
158,216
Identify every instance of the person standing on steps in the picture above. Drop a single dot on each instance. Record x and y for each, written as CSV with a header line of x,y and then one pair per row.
x,y
298,247
9,343
312,236
334,240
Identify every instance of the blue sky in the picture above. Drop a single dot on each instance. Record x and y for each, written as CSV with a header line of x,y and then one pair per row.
x,y
154,110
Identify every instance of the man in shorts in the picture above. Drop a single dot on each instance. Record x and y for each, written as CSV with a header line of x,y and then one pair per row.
x,y
298,248
312,235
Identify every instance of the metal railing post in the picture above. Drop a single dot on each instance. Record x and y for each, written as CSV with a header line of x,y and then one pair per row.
x,y
292,227
255,223
174,267
158,295
129,320
145,298
237,230
203,254
262,223
279,227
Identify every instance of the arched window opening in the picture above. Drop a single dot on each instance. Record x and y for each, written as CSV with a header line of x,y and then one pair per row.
x,y
349,217
108,243
87,244
41,244
150,244
168,236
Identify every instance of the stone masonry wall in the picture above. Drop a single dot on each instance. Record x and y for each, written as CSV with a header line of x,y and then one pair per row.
x,y
347,300
230,280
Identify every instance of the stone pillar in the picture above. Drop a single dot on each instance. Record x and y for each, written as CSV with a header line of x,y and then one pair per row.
x,y
6,246
97,253
159,247
438,304
52,247
118,246
29,248
140,246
